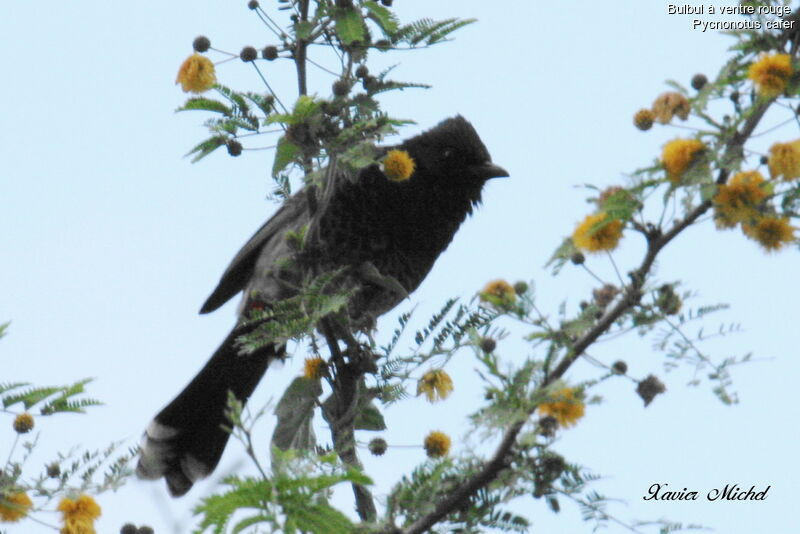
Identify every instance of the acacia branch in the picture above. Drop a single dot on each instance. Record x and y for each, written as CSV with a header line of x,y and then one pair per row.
x,y
656,241
300,52
341,414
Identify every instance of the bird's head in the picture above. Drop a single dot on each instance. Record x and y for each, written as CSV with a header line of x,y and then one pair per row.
x,y
452,154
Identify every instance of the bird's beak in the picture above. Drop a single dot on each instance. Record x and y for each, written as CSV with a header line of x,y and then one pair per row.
x,y
489,170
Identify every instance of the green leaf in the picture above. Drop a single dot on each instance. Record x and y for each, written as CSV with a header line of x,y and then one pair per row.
x,y
206,147
369,418
205,104
235,98
285,153
303,29
428,30
305,107
385,19
30,397
250,521
264,103
562,254
349,25
295,412
319,518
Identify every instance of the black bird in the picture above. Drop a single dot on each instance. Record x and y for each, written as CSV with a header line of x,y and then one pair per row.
x,y
376,229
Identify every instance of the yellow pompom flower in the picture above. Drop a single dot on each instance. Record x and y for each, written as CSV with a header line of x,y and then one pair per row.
x,y
678,155
597,233
644,119
670,104
772,233
771,73
784,160
739,200
14,506
23,423
435,385
498,293
398,165
196,74
564,407
79,515
437,444
314,368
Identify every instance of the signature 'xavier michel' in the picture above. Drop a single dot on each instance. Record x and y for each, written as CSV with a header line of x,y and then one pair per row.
x,y
374,228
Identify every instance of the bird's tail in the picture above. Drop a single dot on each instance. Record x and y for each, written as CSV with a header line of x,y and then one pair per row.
x,y
184,442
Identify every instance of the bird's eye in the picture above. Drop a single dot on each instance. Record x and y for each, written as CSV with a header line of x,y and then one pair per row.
x,y
448,153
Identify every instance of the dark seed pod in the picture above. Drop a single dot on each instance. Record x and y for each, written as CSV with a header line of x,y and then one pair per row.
x,y
248,53
53,470
201,43
488,345
234,147
341,87
362,71
699,81
270,53
378,446
649,388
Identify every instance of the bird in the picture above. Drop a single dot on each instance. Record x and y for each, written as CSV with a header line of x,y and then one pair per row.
x,y
383,234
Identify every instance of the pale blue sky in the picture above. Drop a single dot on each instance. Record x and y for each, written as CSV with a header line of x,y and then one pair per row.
x,y
112,240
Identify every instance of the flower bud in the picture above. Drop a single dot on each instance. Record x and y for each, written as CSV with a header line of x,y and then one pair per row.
x,y
201,44
377,446
270,53
649,388
234,147
248,53
488,345
699,81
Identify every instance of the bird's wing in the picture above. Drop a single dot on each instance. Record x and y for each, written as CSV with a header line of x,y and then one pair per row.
x,y
239,272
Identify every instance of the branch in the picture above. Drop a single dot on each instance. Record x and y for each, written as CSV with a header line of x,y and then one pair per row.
x,y
632,293
300,53
341,417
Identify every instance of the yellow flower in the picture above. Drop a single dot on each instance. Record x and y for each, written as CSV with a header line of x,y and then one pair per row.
x,y
499,293
771,73
770,232
670,104
436,385
784,160
644,119
79,515
23,423
678,155
597,233
739,200
14,506
314,368
196,74
398,165
564,407
437,444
